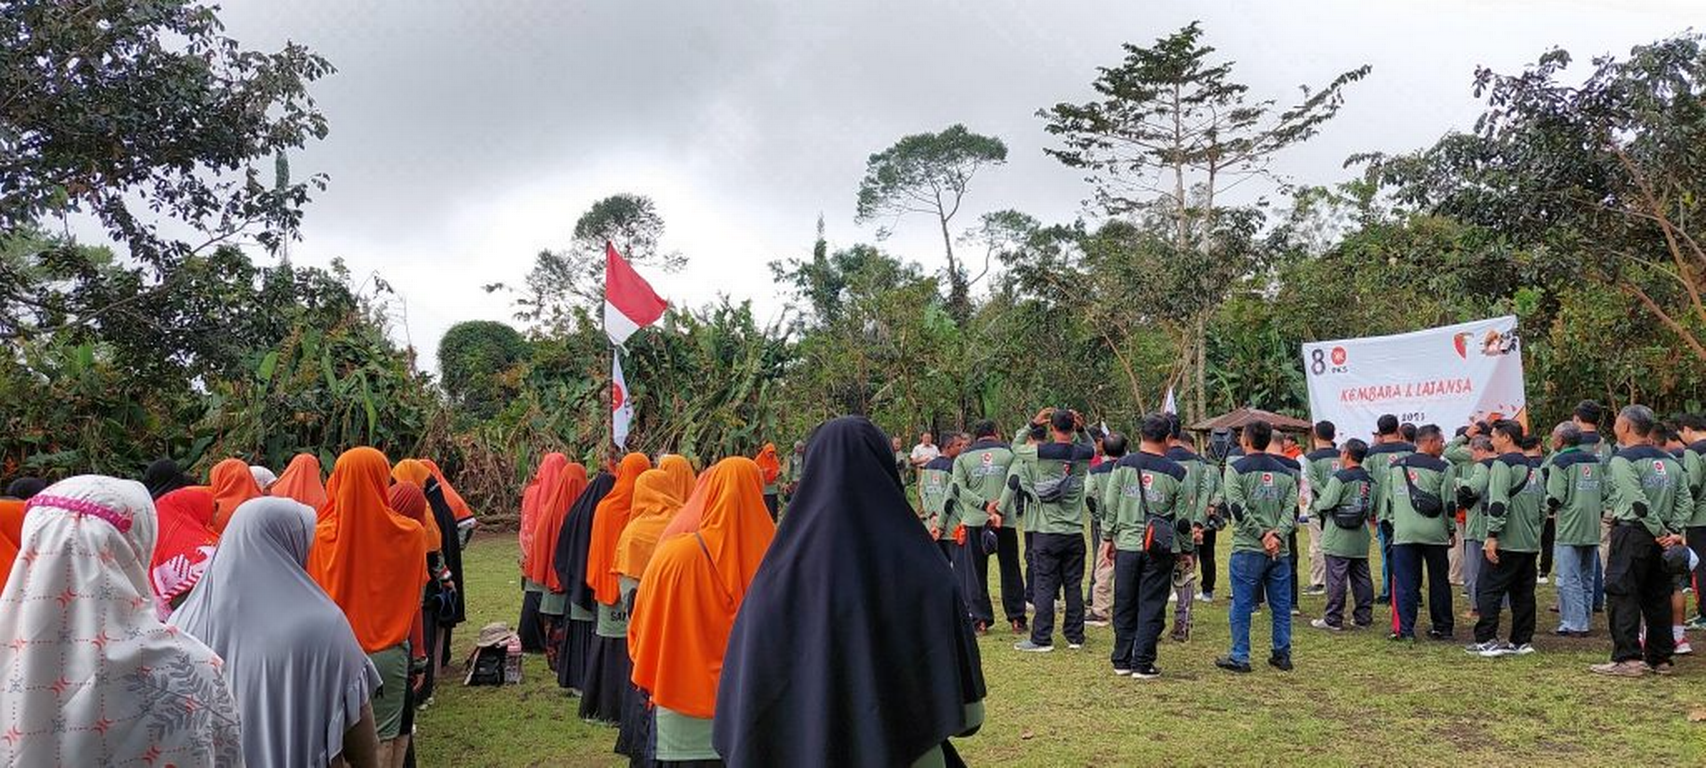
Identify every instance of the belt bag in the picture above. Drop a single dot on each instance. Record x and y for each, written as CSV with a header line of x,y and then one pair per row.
x,y
1427,504
1158,533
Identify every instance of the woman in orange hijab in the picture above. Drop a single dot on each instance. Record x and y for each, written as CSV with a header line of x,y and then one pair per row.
x,y
535,633
11,536
372,563
301,482
605,688
771,468
686,604
553,508
416,474
681,475
657,497
232,484
458,505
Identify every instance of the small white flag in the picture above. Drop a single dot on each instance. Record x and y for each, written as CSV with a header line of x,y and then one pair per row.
x,y
621,409
1170,406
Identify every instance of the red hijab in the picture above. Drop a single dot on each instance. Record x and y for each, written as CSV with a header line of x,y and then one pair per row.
x,y
554,507
185,544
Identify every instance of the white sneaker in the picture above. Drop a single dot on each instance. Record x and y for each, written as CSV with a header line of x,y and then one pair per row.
x,y
1543,580
1122,673
1683,648
1205,598
1173,598
1074,646
1322,624
1521,650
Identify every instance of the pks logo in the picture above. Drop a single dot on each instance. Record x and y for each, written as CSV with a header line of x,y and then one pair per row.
x,y
1587,472
1148,480
1339,355
1658,467
987,458
1267,478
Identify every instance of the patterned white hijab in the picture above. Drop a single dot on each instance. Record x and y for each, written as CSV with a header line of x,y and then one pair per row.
x,y
88,673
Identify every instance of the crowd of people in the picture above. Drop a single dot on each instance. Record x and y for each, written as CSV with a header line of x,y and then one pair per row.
x,y
285,621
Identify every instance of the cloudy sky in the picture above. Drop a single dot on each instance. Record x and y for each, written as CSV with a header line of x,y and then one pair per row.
x,y
466,136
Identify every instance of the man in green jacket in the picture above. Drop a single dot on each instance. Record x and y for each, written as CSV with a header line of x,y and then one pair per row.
x,y
980,475
1471,490
1693,428
935,484
1148,503
1422,527
1200,481
1261,496
1575,498
1345,505
1389,446
1514,499
1650,507
1318,468
1102,571
1059,469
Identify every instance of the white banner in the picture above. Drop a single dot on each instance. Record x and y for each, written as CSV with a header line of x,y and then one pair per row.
x,y
1447,376
621,409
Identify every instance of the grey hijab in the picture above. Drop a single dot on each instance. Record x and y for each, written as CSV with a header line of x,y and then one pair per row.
x,y
296,670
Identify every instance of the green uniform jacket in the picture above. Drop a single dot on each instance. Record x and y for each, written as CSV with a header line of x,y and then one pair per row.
x,y
980,475
935,481
1350,489
1472,487
1457,451
1145,481
1052,461
1601,448
1648,488
1575,494
1318,468
1018,503
1199,480
1379,465
1425,474
1096,491
1261,495
1515,494
1694,466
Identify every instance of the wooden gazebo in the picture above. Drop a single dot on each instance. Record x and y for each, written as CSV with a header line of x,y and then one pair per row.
x,y
1242,416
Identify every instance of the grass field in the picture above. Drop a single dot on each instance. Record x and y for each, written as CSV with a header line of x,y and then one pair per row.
x,y
1355,699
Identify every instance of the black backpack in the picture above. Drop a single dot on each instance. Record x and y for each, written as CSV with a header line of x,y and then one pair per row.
x,y
487,667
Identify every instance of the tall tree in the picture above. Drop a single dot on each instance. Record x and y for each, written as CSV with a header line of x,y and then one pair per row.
x,y
476,359
563,281
1172,129
928,173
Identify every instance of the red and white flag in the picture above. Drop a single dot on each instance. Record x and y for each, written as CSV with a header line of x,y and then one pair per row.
x,y
629,301
621,408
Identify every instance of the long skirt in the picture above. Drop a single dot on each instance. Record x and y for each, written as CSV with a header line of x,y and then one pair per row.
x,y
532,637
604,694
648,756
636,717
572,656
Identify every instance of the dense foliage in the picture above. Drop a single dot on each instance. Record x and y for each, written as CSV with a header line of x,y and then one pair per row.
x,y
1575,208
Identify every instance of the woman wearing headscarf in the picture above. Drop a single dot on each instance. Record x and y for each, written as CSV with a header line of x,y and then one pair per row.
x,y
371,562
460,511
657,497
686,604
450,608
164,476
18,492
301,482
771,466
680,471
554,503
606,687
797,687
185,546
264,478
406,499
261,613
534,634
574,639
91,675
232,484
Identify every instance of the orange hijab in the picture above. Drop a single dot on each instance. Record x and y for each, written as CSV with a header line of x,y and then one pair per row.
x,y
458,505
232,484
768,463
301,482
415,473
11,536
686,603
370,560
656,501
607,524
554,506
680,472
550,466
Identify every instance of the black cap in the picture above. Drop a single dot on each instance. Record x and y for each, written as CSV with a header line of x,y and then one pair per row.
x,y
1387,425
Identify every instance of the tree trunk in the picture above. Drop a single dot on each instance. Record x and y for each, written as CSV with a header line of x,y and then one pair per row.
x,y
959,294
1202,367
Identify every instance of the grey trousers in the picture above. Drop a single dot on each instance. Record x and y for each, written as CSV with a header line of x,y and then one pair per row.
x,y
1349,573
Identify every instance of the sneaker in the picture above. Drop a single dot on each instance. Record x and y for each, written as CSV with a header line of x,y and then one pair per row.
x,y
1206,597
1317,589
1521,650
1488,649
1434,634
1280,662
1173,597
1232,665
1629,668
1663,669
1683,648
1383,600
1697,623
1078,646
1029,647
1395,637
1543,580
1322,624
1121,672
1146,672
1094,620
1180,635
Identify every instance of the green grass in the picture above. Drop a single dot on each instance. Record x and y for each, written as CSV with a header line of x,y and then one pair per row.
x,y
1355,699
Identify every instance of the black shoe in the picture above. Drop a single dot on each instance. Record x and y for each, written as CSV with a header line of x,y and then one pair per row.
x,y
1434,634
1226,663
1280,662
1146,672
1383,600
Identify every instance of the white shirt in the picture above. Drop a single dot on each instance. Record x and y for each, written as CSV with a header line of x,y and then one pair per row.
x,y
923,454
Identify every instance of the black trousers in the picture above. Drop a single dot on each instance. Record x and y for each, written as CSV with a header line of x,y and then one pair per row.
x,y
1059,562
1512,577
971,566
1408,561
1012,578
1030,568
1548,537
1637,591
947,547
1205,561
772,504
1697,541
1141,585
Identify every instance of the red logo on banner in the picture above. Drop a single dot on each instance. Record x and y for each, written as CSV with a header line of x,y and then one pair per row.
x,y
1339,355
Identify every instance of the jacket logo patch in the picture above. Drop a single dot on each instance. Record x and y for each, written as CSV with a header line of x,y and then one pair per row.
x,y
1267,478
1658,467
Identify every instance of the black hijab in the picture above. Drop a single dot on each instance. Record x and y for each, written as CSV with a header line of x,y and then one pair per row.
x,y
450,550
576,538
25,487
163,477
799,688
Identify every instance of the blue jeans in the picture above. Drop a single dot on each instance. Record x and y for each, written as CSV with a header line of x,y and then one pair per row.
x,y
1575,567
1472,558
1250,569
1385,561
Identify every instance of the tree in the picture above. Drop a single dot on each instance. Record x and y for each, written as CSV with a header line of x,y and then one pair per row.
x,y
927,173
476,359
562,281
1172,130
135,113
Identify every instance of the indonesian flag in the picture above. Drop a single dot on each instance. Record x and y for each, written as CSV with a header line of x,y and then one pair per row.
x,y
629,301
621,408
1171,405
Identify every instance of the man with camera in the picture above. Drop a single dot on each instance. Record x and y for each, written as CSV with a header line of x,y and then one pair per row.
x,y
1422,528
1058,469
1261,496
1148,532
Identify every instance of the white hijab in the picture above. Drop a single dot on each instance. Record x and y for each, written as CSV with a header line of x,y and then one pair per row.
x,y
88,674
299,675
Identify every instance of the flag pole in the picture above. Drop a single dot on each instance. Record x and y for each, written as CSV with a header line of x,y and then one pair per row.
x,y
610,372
